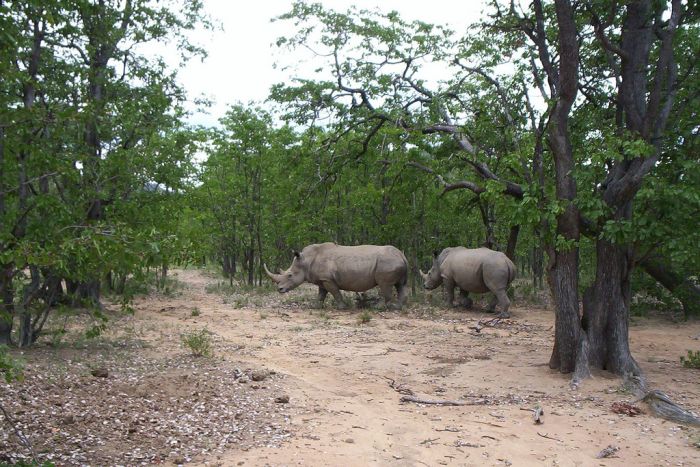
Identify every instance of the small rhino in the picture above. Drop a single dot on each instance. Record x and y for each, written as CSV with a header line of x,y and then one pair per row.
x,y
477,270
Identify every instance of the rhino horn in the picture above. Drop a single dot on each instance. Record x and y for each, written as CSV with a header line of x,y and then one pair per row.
x,y
422,274
275,277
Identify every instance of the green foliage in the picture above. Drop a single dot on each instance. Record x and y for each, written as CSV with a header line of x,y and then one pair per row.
x,y
92,180
692,360
199,343
364,317
10,368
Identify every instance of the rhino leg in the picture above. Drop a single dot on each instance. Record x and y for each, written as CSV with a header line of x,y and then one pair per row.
x,y
335,291
402,292
449,286
492,303
321,296
386,291
464,299
501,297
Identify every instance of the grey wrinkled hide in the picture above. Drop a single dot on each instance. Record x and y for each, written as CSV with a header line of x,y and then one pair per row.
x,y
353,268
477,270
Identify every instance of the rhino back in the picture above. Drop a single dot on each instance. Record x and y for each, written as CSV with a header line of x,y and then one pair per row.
x,y
358,268
478,270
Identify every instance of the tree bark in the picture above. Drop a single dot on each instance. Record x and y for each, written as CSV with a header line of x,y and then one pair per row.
x,y
606,310
564,261
7,307
512,242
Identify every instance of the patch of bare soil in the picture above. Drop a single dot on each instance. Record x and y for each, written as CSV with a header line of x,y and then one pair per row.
x,y
140,401
345,382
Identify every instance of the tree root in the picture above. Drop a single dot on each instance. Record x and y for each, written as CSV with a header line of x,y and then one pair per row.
x,y
660,403
582,370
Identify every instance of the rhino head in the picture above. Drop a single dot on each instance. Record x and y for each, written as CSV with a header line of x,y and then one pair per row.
x,y
433,278
292,277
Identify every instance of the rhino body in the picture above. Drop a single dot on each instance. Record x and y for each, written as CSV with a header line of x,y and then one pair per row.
x,y
353,268
477,270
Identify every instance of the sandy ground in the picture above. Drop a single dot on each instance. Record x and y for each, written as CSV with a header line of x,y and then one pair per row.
x,y
345,380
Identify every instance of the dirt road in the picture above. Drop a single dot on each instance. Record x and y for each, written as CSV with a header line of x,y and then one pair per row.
x,y
345,381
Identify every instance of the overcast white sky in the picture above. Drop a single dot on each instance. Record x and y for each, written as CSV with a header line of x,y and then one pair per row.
x,y
239,67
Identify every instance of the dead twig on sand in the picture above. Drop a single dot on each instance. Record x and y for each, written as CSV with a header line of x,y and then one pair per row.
x,y
419,400
488,423
548,437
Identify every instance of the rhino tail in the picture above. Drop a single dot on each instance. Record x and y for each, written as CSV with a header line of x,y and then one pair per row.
x,y
511,271
408,268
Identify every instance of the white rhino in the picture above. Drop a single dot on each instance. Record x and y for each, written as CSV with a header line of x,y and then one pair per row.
x,y
477,270
354,268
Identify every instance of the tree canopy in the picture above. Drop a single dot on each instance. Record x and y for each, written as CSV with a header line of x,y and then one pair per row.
x,y
563,133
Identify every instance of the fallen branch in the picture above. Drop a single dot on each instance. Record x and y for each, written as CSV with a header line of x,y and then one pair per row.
x,y
419,400
607,452
548,437
488,423
489,323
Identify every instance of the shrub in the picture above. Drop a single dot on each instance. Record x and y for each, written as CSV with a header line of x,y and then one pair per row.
x,y
692,360
199,342
365,317
195,312
10,368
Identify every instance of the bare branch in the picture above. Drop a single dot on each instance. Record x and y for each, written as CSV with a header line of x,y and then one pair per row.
x,y
600,28
447,187
494,82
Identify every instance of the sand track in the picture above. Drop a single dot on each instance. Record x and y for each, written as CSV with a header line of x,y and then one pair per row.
x,y
340,374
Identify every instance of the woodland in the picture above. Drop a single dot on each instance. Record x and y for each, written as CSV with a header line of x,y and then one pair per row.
x,y
564,133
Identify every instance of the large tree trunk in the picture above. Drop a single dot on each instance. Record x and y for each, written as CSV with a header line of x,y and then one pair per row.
x,y
563,258
7,307
563,282
84,294
487,219
512,242
537,264
606,310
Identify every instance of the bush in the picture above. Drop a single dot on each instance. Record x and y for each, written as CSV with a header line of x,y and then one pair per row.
x,y
195,312
365,317
692,360
10,368
199,342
